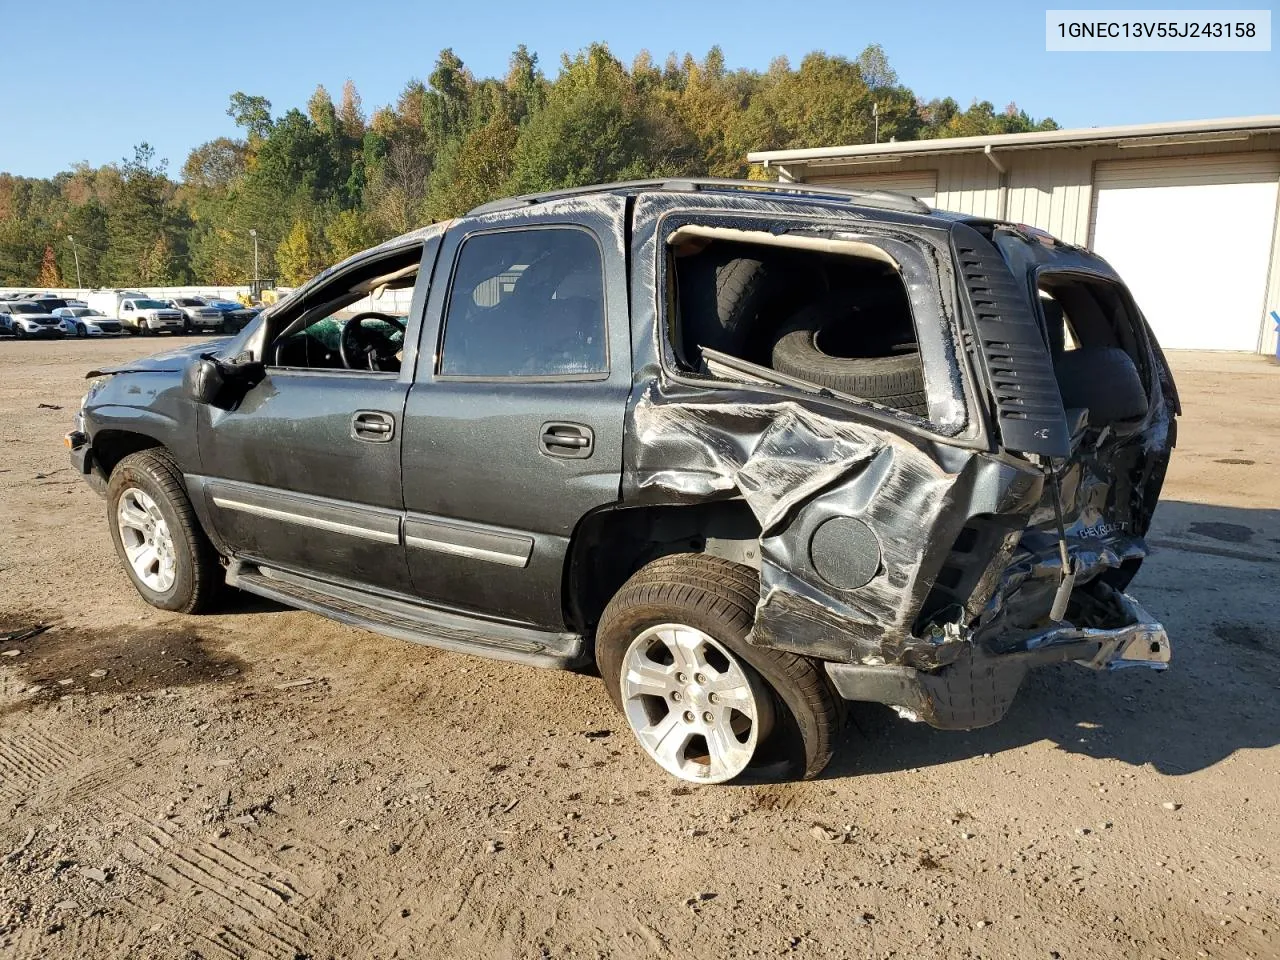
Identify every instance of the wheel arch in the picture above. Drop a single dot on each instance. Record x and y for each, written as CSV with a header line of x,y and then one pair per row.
x,y
110,446
612,543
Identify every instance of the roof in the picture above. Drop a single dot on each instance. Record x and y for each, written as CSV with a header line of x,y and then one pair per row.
x,y
1144,134
762,189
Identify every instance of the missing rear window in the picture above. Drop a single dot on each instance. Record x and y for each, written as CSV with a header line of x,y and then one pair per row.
x,y
1093,337
834,314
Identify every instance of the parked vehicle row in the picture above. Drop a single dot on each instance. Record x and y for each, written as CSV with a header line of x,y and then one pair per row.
x,y
117,312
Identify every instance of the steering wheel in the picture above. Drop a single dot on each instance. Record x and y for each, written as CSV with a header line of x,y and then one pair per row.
x,y
357,343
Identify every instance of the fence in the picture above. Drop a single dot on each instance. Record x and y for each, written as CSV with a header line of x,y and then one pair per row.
x,y
395,302
159,293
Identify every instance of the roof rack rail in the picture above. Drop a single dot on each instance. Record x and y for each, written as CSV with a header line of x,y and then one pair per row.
x,y
869,198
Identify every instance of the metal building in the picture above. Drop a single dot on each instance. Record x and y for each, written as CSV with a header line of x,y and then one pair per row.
x,y
1186,212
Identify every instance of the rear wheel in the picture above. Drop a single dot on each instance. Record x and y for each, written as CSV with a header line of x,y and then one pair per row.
x,y
157,537
704,704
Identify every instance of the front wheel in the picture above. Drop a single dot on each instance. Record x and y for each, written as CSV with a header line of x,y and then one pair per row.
x,y
704,704
81,332
157,537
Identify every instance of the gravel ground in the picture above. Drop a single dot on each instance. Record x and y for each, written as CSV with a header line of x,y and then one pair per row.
x,y
266,783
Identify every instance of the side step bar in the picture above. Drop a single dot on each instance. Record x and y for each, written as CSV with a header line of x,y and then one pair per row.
x,y
410,621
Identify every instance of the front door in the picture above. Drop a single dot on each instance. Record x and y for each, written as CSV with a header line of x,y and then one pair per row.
x,y
304,473
513,429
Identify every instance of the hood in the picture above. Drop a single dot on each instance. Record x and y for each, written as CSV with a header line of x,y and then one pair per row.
x,y
171,361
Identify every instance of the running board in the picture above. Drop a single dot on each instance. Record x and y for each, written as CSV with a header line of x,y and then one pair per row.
x,y
410,621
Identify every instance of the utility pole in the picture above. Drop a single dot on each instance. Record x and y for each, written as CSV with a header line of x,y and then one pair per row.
x,y
254,234
76,253
875,115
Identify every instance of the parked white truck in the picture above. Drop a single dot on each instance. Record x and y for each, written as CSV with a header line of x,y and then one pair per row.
x,y
138,312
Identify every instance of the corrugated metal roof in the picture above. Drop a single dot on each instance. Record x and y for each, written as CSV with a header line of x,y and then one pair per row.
x,y
1148,134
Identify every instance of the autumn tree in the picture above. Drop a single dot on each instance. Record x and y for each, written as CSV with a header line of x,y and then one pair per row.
x,y
349,233
323,114
48,275
300,255
351,112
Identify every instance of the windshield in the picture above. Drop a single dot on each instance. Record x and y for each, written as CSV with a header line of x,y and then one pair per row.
x,y
26,308
187,302
149,304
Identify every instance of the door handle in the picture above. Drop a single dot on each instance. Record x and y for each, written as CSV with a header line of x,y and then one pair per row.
x,y
574,441
373,426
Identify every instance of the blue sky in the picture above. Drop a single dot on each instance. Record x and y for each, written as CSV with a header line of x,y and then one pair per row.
x,y
94,78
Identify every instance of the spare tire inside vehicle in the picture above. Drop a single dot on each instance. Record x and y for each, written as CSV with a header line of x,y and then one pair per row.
x,y
894,378
721,299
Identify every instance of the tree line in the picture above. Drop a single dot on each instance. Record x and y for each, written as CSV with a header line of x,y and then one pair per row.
x,y
320,183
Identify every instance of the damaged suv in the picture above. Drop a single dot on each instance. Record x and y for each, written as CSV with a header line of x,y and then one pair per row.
x,y
754,449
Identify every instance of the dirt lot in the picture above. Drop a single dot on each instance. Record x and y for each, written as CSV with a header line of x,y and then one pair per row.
x,y
267,783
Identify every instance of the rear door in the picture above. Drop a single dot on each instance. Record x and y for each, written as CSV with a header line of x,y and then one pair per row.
x,y
513,428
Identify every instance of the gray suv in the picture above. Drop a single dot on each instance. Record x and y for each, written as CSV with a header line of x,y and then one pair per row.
x,y
751,449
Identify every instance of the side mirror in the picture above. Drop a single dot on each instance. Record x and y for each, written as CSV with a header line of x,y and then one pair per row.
x,y
204,381
220,383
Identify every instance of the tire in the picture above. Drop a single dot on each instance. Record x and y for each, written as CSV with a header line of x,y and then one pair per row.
x,y
895,379
718,598
723,300
80,331
196,571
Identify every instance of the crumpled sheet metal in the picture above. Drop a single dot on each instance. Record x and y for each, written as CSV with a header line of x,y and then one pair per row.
x,y
794,468
1108,493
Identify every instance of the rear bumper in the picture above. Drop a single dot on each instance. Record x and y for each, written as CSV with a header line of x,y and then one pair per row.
x,y
978,688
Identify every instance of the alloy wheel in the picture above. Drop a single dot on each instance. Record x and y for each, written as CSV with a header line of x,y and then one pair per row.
x,y
148,544
694,706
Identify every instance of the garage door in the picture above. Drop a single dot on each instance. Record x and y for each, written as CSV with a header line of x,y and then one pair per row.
x,y
1192,239
921,184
